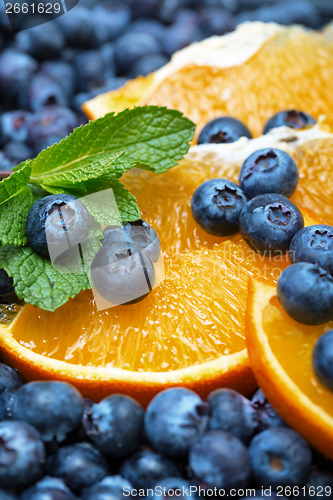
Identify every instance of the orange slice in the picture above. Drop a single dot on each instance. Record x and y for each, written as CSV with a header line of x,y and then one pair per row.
x,y
165,200
190,330
250,74
280,351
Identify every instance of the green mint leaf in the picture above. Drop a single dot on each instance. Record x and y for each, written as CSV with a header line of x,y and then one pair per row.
x,y
10,186
112,204
82,172
39,283
152,137
13,215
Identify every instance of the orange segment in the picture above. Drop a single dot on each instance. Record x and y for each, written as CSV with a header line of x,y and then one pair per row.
x,y
289,67
315,189
280,351
172,217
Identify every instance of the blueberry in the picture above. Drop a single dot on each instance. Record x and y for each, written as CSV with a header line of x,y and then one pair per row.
x,y
144,7
313,244
220,460
268,171
17,151
6,495
9,378
16,68
318,481
56,223
147,64
110,488
7,293
322,359
216,206
138,234
46,142
6,404
6,163
61,72
174,419
279,457
268,223
14,126
145,468
42,42
223,130
54,408
49,488
177,37
111,20
306,293
90,68
232,413
107,51
79,465
266,417
216,21
173,487
78,27
115,425
52,120
147,25
42,91
130,47
291,118
121,274
22,454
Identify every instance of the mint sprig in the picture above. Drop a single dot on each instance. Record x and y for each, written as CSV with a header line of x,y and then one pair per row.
x,y
91,159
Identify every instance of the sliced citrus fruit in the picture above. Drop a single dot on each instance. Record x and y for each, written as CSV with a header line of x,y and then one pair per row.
x,y
250,74
280,351
165,200
190,330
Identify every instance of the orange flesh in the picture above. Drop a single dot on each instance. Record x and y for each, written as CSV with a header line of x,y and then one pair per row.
x,y
196,315
292,345
292,71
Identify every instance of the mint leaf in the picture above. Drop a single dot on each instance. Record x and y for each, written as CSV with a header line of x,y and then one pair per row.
x,y
39,283
11,185
69,177
36,281
113,208
153,138
13,214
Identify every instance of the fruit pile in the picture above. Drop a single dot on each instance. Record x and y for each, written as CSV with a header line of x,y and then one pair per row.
x,y
47,72
57,445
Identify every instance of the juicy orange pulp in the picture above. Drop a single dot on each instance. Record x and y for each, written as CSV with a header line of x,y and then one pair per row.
x,y
197,315
291,70
280,351
293,344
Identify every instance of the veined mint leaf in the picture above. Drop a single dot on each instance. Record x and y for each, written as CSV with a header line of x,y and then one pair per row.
x,y
80,172
10,186
36,281
41,284
152,137
13,214
112,205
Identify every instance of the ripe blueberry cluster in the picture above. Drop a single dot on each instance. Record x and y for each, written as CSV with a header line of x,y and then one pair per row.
x,y
271,224
56,445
